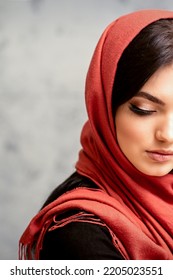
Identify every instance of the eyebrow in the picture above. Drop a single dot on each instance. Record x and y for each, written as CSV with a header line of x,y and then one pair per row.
x,y
150,97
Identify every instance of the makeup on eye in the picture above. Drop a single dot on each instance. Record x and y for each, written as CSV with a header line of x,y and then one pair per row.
x,y
140,111
140,108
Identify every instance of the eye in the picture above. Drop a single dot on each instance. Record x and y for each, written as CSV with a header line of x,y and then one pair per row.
x,y
139,111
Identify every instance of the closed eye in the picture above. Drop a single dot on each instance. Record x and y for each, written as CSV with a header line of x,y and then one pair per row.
x,y
139,111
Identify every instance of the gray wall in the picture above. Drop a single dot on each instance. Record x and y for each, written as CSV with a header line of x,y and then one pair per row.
x,y
45,50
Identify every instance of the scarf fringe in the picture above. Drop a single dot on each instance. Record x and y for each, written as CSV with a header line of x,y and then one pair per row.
x,y
79,217
31,251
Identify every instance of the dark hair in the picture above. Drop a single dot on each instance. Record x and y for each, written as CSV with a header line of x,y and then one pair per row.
x,y
151,49
74,181
148,51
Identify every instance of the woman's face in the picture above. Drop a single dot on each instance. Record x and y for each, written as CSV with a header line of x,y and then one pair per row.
x,y
144,125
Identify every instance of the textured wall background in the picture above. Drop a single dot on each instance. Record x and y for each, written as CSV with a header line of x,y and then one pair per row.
x,y
45,50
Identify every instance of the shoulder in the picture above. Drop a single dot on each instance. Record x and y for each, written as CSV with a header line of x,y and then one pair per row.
x,y
84,237
79,239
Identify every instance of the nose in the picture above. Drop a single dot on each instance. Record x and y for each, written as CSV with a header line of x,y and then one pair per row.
x,y
165,131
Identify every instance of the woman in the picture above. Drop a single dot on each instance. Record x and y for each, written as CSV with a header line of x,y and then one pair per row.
x,y
119,202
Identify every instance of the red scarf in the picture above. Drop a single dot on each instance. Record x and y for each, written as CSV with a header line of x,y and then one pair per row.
x,y
136,208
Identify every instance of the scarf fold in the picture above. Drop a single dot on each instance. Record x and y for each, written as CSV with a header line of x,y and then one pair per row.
x,y
136,208
114,215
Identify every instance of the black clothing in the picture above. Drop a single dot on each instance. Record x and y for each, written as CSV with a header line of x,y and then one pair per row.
x,y
78,240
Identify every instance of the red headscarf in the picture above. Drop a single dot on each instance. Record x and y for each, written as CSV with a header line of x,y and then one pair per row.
x,y
137,208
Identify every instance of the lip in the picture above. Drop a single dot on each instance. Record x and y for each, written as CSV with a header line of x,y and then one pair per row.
x,y
160,155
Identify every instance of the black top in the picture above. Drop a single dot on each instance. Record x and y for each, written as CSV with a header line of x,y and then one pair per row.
x,y
77,240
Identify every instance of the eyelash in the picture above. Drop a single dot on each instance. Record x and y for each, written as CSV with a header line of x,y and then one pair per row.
x,y
139,111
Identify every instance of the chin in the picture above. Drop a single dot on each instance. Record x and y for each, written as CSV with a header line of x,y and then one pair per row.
x,y
156,172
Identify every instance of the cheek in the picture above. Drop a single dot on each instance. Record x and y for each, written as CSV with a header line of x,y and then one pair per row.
x,y
129,131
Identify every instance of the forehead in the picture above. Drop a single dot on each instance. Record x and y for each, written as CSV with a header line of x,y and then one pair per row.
x,y
160,83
